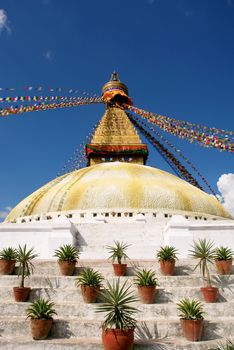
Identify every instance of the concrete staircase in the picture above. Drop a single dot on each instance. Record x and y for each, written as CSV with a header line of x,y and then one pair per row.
x,y
78,326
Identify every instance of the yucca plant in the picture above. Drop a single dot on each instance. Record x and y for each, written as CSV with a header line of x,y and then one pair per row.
x,y
146,282
191,317
204,251
41,314
190,309
90,282
8,253
146,278
89,277
167,253
116,305
223,260
223,253
24,258
118,251
7,260
67,252
41,309
229,345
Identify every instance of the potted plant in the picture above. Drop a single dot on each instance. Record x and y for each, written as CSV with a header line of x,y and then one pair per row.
x,y
167,256
118,253
7,260
146,282
223,260
40,312
203,250
24,258
67,257
119,323
90,282
191,318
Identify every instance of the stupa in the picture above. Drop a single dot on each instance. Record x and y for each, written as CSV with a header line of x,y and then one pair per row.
x,y
116,197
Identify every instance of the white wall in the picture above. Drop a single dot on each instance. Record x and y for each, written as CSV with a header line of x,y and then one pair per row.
x,y
144,233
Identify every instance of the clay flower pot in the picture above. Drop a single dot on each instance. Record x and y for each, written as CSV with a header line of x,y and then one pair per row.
x,y
67,255
167,267
224,267
90,293
118,339
67,268
7,266
120,269
210,294
40,328
192,329
21,293
147,294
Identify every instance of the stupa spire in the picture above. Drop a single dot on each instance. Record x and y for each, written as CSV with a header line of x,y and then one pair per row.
x,y
115,138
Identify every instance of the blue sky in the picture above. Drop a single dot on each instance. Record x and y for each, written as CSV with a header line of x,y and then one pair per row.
x,y
176,56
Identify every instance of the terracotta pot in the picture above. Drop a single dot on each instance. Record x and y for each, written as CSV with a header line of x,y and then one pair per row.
x,y
224,267
67,268
118,339
40,328
192,329
120,269
210,294
7,267
21,293
90,293
147,294
167,267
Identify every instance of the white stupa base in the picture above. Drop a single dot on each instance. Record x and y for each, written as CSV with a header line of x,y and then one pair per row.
x,y
145,233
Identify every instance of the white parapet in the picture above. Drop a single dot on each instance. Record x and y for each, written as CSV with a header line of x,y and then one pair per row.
x,y
92,231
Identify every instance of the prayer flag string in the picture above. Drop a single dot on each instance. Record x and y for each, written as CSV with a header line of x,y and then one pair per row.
x,y
4,112
175,164
14,99
153,129
205,136
78,160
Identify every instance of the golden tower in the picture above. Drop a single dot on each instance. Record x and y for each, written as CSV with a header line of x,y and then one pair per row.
x,y
115,138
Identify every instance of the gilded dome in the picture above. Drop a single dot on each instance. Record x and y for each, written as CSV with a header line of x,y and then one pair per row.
x,y
118,186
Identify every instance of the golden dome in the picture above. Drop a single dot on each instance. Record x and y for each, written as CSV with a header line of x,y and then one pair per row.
x,y
119,186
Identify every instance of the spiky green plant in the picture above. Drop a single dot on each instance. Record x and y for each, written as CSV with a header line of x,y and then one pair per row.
x,y
229,345
24,257
41,309
89,277
146,278
8,253
203,250
167,253
118,251
190,309
223,253
116,305
67,252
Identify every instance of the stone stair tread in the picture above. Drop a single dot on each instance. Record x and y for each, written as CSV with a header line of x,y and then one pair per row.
x,y
92,343
140,321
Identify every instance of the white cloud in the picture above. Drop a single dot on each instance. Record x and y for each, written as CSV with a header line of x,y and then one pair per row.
x,y
226,188
5,212
4,23
48,55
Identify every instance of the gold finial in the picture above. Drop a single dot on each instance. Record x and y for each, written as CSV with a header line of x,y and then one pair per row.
x,y
114,76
